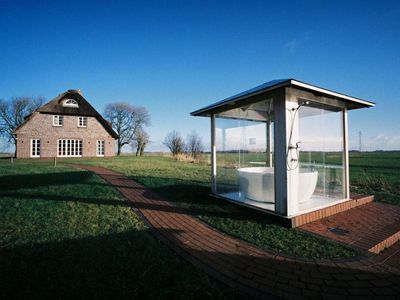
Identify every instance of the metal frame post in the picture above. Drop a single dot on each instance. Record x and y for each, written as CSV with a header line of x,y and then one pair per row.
x,y
213,157
346,176
269,143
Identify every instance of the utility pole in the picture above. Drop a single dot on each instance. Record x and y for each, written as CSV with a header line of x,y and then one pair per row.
x,y
359,141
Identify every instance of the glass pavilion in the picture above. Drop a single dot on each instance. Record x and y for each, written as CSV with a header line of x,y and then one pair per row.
x,y
281,147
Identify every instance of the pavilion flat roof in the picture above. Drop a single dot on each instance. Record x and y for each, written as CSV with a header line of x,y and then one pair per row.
x,y
276,84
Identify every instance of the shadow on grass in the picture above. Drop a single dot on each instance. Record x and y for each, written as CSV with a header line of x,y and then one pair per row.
x,y
47,197
116,266
134,265
26,181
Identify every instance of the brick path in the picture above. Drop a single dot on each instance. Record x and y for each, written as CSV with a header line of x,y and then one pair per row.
x,y
251,269
370,227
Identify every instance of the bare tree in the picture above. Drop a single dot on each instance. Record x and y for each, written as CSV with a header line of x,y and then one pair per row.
x,y
13,113
140,141
194,145
175,143
126,119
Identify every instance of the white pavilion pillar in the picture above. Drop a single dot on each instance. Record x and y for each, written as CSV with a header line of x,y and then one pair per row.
x,y
346,177
293,155
213,157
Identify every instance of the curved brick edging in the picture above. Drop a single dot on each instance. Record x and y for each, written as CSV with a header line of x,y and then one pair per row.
x,y
251,269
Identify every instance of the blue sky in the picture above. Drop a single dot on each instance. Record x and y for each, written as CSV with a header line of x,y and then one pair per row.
x,y
176,56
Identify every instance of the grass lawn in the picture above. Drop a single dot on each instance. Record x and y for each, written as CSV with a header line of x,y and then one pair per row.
x,y
376,173
64,233
187,184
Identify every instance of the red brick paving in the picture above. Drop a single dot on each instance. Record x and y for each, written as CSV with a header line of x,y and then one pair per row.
x,y
251,269
371,227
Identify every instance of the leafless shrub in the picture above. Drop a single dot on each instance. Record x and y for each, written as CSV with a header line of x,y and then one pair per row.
x,y
175,143
140,141
194,145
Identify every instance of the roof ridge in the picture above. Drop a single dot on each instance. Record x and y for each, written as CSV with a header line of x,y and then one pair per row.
x,y
84,109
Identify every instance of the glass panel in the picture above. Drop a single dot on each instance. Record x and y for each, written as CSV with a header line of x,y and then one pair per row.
x,y
35,147
320,156
100,148
244,170
57,120
82,121
69,147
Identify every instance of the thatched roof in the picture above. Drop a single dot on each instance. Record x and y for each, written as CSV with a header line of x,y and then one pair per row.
x,y
56,107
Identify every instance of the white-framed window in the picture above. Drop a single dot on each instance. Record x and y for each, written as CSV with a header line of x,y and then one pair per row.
x,y
69,148
99,148
82,121
71,103
58,120
35,148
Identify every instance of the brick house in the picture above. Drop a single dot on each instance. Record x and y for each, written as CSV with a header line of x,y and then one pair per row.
x,y
67,126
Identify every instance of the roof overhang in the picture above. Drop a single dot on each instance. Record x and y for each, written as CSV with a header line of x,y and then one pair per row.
x,y
85,109
270,86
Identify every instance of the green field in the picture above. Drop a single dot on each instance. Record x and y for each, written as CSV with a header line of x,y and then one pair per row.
x,y
64,233
376,173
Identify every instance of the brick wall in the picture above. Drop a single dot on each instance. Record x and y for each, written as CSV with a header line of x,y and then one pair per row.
x,y
40,126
